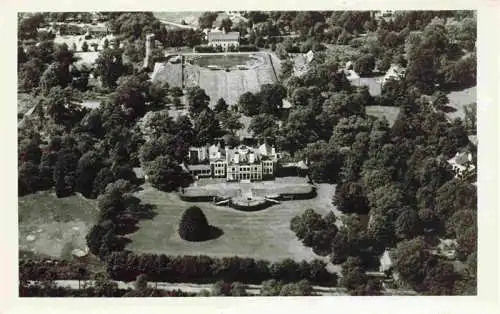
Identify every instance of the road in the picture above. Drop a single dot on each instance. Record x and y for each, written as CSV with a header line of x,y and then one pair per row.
x,y
192,287
196,288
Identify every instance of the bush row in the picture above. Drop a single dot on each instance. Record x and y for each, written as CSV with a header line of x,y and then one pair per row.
x,y
126,266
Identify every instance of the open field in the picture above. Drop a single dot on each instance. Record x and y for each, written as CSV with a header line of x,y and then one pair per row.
x,y
51,225
24,102
459,99
263,234
390,113
228,60
190,17
373,83
229,85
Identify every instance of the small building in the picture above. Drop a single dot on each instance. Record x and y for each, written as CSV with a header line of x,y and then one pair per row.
x,y
223,39
462,162
395,72
200,170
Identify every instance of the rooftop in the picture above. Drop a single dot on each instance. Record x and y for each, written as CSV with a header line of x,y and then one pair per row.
x,y
223,36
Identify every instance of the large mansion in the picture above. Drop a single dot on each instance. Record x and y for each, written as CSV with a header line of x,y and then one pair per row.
x,y
240,163
223,39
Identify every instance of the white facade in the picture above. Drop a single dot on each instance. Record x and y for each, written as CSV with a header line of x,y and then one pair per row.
x,y
241,163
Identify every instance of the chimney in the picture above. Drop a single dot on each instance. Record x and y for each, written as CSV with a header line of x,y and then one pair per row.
x,y
236,158
251,158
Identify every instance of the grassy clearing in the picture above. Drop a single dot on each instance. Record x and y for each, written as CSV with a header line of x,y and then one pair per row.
x,y
264,234
57,225
229,85
190,17
459,99
24,102
224,61
390,113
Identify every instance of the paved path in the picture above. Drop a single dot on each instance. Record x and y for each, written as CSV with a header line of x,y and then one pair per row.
x,y
196,288
192,287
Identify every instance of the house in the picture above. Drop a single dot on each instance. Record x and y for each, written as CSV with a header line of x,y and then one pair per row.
x,y
223,39
234,164
461,162
386,264
395,72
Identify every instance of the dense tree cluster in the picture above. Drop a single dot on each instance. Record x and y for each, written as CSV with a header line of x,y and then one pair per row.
x,y
200,269
315,231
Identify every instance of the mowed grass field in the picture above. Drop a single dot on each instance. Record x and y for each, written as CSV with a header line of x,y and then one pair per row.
x,y
229,85
458,99
263,234
54,226
390,113
190,17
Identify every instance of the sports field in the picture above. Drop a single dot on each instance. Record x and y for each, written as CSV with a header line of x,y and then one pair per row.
x,y
263,234
229,85
54,226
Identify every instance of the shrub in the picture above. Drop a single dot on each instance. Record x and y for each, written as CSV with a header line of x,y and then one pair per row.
x,y
194,225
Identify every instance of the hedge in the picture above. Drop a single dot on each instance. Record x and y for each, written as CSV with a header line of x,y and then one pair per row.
x,y
126,266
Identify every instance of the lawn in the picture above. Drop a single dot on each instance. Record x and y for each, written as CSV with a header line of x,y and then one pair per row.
x,y
459,99
229,85
190,17
264,234
390,113
224,61
54,226
24,102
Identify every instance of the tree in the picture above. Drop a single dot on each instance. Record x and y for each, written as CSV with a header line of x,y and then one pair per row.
x,y
131,92
315,231
61,108
230,121
193,225
28,178
408,224
350,198
271,98
286,69
354,276
30,73
206,127
165,174
264,128
28,26
410,259
226,25
365,65
270,288
301,288
85,46
221,106
197,100
207,19
453,196
249,104
299,130
440,278
470,119
87,169
324,161
109,67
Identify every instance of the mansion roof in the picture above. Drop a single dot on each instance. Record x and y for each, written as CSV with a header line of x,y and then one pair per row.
x,y
231,36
